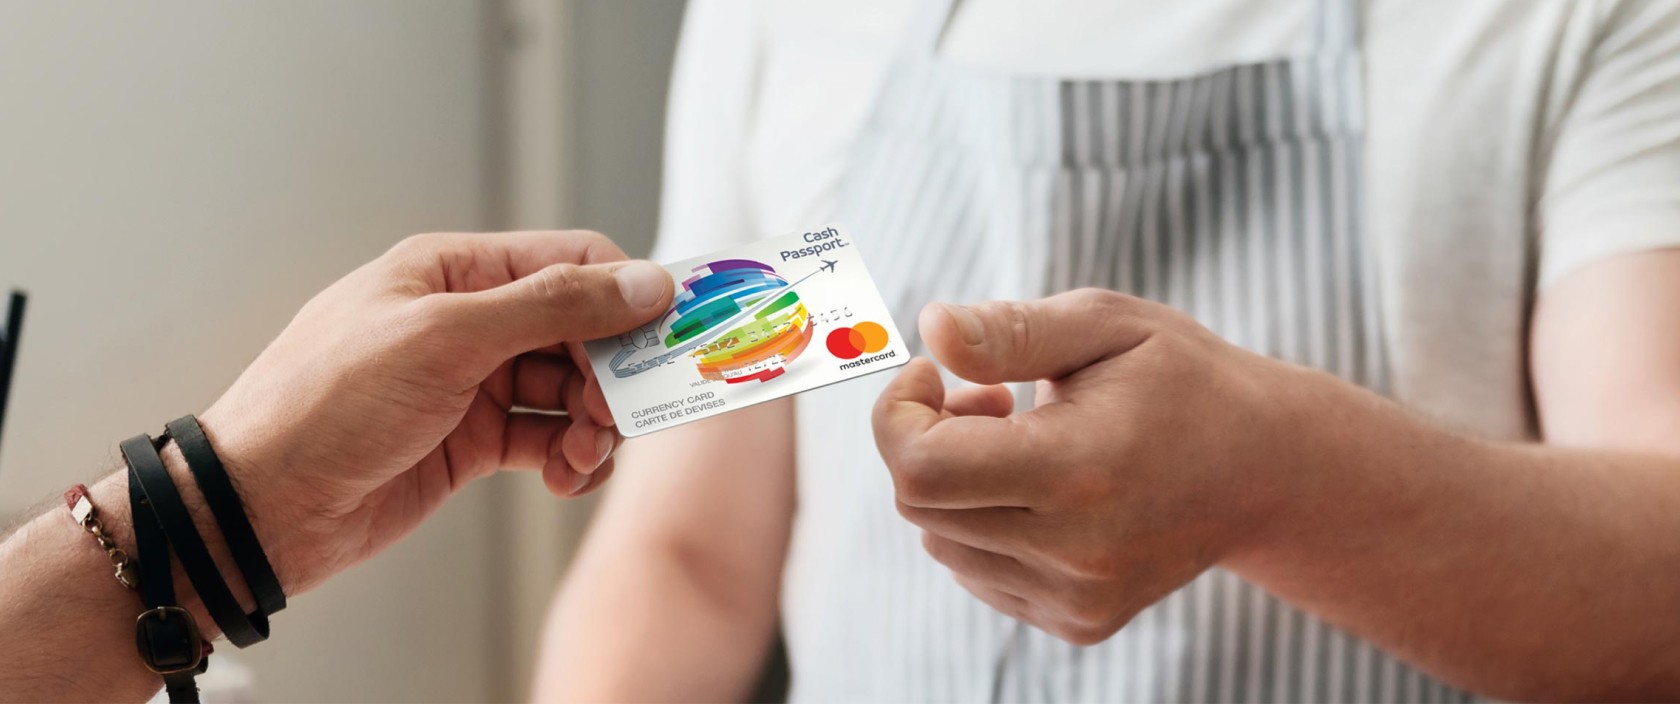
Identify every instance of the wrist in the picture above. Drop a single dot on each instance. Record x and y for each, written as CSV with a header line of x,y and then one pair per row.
x,y
1304,459
284,533
111,494
1349,465
111,497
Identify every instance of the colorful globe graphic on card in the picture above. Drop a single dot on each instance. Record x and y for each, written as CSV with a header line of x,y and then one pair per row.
x,y
757,350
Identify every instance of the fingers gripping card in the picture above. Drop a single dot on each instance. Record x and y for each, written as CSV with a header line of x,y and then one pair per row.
x,y
749,325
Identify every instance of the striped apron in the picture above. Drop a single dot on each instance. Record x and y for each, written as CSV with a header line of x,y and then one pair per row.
x,y
1234,196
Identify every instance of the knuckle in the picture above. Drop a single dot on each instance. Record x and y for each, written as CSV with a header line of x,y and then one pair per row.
x,y
915,488
1095,485
1089,608
1130,320
1019,324
915,478
909,514
1094,297
1099,565
1102,301
415,245
597,248
560,284
1083,635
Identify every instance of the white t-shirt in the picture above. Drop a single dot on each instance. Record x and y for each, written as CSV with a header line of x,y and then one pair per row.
x,y
1508,142
768,93
1533,135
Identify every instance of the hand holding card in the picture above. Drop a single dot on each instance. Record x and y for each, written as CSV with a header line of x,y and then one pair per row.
x,y
748,325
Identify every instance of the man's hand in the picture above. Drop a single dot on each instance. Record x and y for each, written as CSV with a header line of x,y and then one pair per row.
x,y
1153,451
390,390
404,380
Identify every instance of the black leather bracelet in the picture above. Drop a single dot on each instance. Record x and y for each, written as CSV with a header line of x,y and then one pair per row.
x,y
166,634
229,511
240,628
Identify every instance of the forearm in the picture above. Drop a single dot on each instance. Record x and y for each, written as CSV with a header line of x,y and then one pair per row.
x,y
1513,570
66,624
642,627
674,597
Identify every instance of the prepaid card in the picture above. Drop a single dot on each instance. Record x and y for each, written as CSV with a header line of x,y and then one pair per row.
x,y
748,325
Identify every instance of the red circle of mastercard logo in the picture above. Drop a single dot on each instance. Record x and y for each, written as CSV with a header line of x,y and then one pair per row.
x,y
860,339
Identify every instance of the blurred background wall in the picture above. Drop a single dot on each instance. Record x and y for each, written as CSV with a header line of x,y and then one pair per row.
x,y
231,159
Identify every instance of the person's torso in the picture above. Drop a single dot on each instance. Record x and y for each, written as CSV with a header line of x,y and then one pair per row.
x,y
1226,181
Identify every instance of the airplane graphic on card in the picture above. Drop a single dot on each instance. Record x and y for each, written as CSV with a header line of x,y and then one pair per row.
x,y
748,325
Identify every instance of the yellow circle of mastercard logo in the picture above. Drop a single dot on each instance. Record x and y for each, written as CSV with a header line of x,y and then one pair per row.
x,y
860,339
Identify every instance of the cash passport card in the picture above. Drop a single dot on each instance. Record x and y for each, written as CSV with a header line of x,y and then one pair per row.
x,y
750,324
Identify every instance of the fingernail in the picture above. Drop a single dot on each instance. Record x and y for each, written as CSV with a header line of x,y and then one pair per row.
x,y
641,283
604,441
578,483
968,324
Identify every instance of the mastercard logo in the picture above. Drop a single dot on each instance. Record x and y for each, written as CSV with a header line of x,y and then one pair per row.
x,y
860,339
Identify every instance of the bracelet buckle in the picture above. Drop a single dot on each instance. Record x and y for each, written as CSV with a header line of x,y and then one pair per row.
x,y
168,639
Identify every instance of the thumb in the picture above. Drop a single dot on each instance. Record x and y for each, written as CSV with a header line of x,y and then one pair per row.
x,y
1049,338
560,303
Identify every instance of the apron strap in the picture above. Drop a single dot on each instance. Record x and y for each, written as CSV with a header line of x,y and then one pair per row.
x,y
927,25
1336,26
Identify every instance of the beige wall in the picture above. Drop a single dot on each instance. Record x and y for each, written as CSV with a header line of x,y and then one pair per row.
x,y
231,158
621,52
583,111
